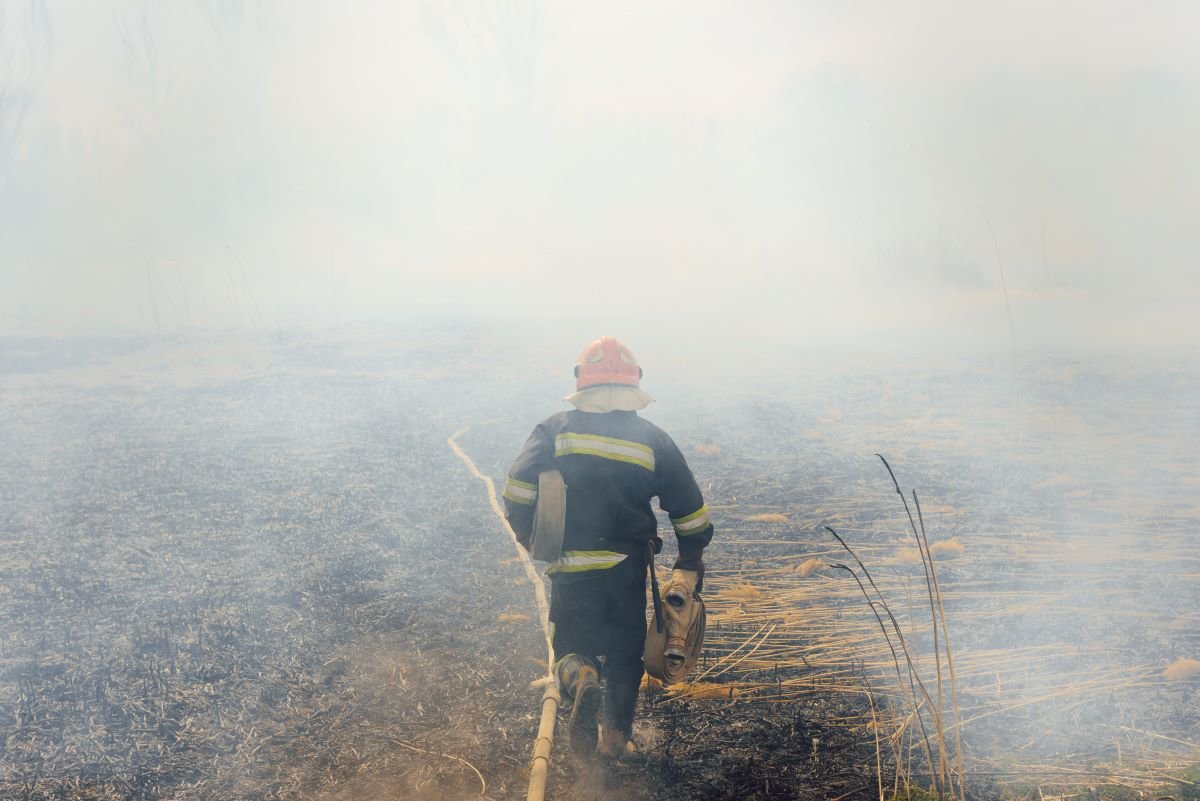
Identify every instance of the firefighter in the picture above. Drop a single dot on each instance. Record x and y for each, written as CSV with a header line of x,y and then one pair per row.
x,y
613,463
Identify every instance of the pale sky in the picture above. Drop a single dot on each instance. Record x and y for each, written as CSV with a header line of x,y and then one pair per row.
x,y
826,172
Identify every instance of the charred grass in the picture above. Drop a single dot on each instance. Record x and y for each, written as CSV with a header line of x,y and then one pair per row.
x,y
262,589
280,585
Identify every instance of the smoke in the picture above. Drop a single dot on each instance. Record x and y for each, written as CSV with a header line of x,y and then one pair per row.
x,y
826,232
797,172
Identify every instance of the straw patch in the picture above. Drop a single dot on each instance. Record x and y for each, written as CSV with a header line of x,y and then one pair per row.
x,y
512,617
1182,669
650,683
702,691
769,517
947,549
742,592
808,567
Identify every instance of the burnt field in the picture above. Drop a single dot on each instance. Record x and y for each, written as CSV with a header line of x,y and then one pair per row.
x,y
251,568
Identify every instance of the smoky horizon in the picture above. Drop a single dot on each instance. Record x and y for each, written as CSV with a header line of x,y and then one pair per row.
x,y
991,177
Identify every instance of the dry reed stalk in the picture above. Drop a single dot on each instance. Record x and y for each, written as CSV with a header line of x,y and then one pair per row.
x,y
460,760
748,654
875,731
875,607
927,565
730,655
937,591
1188,743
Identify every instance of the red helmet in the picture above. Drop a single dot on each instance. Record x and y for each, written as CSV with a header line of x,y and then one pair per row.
x,y
606,361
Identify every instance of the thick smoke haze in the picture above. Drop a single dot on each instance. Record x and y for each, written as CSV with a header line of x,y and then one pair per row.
x,y
259,259
935,174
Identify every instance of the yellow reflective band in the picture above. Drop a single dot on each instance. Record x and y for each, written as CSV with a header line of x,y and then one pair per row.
x,y
618,450
694,523
520,491
579,561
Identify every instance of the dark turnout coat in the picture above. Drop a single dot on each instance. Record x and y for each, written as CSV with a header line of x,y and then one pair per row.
x,y
613,464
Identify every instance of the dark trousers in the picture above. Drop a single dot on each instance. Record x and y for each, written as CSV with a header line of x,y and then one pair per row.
x,y
602,613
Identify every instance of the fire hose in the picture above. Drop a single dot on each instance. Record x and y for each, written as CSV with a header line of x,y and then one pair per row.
x,y
675,640
540,763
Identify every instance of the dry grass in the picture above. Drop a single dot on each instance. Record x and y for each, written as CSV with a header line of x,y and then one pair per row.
x,y
809,566
742,592
947,549
1182,669
512,617
769,517
708,449
703,691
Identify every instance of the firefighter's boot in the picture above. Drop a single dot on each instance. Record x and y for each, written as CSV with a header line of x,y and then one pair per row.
x,y
620,703
579,680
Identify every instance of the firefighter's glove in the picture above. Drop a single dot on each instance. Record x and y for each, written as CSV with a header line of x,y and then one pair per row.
x,y
692,564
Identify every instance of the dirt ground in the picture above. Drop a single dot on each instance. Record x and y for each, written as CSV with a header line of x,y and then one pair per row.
x,y
251,568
